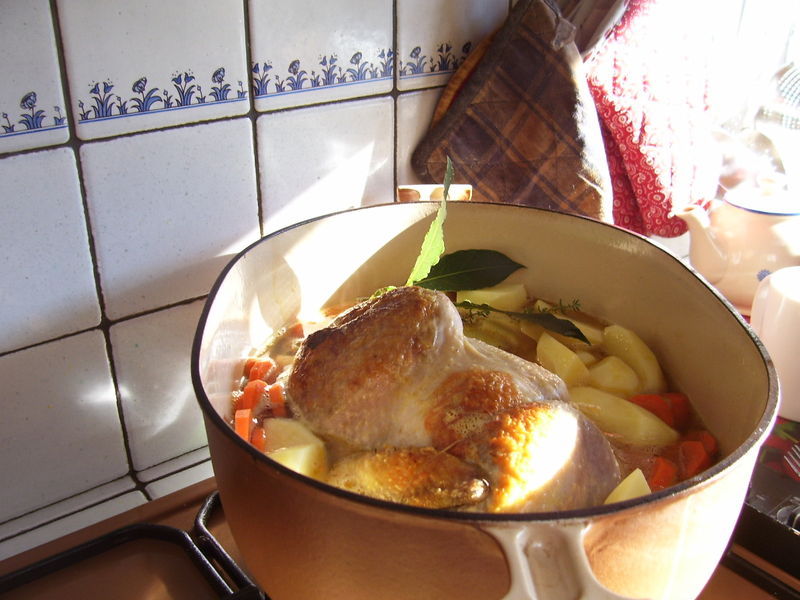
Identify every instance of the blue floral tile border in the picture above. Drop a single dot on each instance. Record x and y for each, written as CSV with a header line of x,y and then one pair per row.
x,y
187,92
31,119
104,103
330,72
442,61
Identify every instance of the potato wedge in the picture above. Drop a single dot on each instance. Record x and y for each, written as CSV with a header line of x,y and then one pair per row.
x,y
616,416
295,446
533,330
614,375
592,332
633,486
627,345
587,357
307,459
283,433
504,296
540,305
557,358
503,332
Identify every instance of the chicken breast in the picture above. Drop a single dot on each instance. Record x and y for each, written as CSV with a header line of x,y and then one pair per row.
x,y
397,372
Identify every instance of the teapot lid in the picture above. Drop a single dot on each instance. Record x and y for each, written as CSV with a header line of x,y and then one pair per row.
x,y
764,200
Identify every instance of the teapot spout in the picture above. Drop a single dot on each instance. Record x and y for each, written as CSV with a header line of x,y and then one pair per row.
x,y
705,253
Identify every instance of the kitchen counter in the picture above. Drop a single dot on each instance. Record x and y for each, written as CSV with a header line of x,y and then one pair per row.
x,y
167,574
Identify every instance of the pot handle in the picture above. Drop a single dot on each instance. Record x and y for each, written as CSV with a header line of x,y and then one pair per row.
x,y
547,561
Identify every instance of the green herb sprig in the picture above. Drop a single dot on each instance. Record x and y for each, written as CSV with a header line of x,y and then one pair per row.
x,y
546,319
470,270
561,307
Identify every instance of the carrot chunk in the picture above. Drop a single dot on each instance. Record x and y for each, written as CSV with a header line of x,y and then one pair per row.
x,y
693,458
258,437
242,422
663,475
295,330
252,394
248,364
680,409
277,398
264,369
656,404
704,437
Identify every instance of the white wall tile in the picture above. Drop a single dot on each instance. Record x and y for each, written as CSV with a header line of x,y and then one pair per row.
x,y
151,357
173,465
31,100
414,113
48,285
141,65
435,36
321,51
168,210
71,505
61,433
350,165
71,523
180,480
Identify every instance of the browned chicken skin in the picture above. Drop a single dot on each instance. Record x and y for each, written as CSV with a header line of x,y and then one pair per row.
x,y
396,379
418,476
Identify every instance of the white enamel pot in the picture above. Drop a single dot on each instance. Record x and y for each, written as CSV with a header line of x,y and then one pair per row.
x,y
302,539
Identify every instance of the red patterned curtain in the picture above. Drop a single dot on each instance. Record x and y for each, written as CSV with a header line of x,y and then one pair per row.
x,y
650,79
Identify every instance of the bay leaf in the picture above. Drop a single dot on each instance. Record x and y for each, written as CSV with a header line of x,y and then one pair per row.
x,y
468,270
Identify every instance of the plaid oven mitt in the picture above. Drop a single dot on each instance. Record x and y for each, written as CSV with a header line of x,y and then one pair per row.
x,y
519,123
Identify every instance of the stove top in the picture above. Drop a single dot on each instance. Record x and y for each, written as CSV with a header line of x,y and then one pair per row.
x,y
141,561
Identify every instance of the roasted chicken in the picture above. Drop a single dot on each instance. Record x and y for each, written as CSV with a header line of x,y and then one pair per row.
x,y
434,418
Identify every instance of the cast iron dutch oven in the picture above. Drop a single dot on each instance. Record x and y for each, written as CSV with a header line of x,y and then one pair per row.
x,y
302,539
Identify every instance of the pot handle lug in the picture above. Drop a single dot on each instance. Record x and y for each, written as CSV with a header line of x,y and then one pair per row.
x,y
547,562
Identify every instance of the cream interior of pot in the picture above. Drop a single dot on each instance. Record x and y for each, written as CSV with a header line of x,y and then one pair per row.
x,y
705,348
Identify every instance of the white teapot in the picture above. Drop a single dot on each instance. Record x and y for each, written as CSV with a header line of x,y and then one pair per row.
x,y
742,238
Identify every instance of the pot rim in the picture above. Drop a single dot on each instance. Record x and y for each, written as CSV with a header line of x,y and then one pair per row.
x,y
760,432
780,210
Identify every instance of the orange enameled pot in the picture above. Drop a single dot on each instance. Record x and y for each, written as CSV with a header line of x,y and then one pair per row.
x,y
302,539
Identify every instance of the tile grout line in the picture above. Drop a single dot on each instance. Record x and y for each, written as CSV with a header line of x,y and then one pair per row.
x,y
253,116
395,96
105,324
102,501
66,514
111,323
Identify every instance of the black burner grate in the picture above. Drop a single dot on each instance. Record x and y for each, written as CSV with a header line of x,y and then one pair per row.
x,y
214,550
207,556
